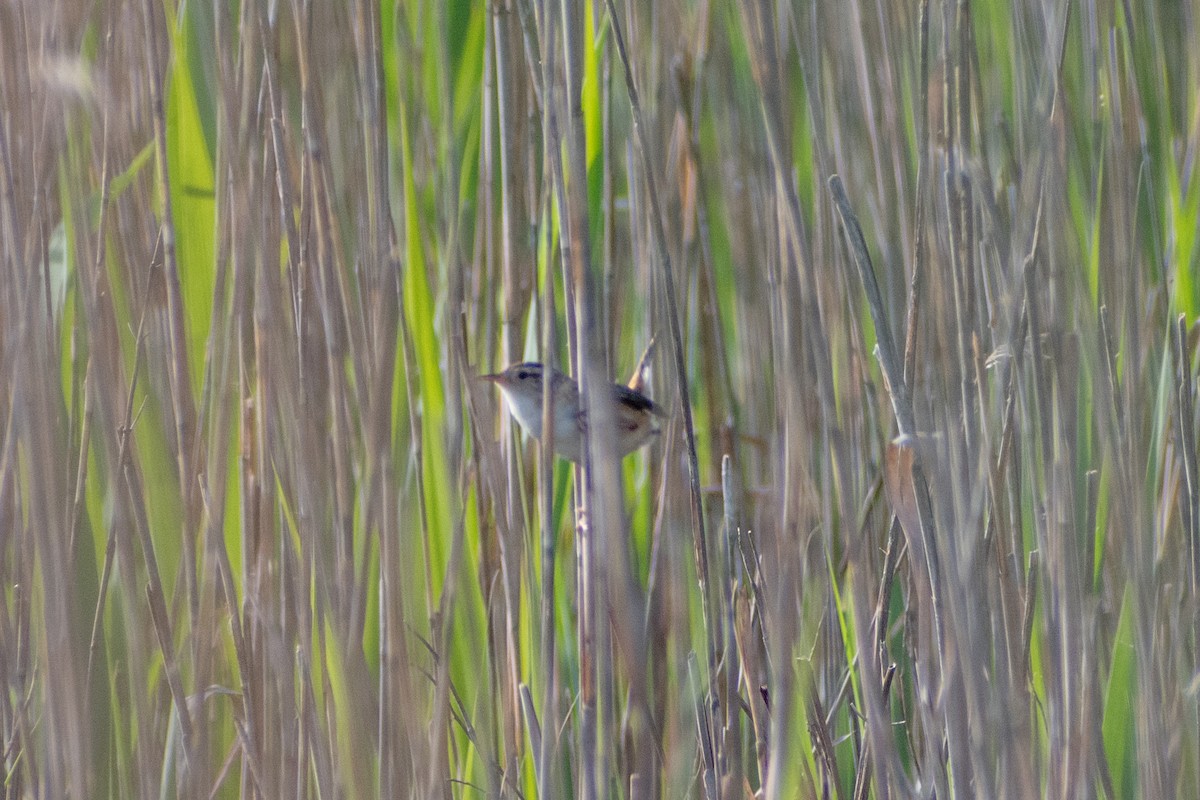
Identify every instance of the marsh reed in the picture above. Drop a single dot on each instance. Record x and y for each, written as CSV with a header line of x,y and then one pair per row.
x,y
924,519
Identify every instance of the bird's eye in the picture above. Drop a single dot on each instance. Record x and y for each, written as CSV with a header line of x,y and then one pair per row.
x,y
524,375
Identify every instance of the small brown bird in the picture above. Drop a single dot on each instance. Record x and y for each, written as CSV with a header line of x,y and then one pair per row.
x,y
521,385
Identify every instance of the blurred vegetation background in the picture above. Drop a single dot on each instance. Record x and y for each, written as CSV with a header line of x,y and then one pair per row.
x,y
924,520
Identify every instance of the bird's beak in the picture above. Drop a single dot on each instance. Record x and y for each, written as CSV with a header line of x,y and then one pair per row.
x,y
495,377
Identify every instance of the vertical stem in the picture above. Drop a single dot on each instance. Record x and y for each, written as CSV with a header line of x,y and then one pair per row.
x,y
710,606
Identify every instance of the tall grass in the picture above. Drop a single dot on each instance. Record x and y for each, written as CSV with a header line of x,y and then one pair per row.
x,y
924,519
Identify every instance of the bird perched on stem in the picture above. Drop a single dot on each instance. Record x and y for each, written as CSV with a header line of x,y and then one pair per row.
x,y
634,414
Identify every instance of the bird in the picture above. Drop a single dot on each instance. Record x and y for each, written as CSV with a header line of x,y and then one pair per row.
x,y
634,414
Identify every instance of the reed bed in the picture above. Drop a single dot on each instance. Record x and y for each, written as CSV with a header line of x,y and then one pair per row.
x,y
923,520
